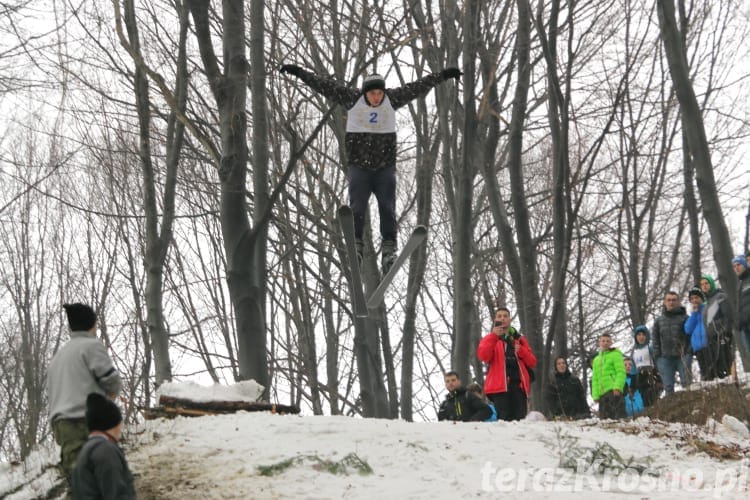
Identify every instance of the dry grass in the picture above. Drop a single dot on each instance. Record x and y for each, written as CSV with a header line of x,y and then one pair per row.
x,y
695,407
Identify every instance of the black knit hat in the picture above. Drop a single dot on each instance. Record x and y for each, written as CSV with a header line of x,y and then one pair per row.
x,y
373,82
101,413
697,291
80,317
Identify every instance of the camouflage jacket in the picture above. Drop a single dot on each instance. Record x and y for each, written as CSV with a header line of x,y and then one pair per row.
x,y
366,150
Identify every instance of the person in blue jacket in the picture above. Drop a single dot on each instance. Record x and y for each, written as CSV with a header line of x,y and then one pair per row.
x,y
476,389
633,398
695,328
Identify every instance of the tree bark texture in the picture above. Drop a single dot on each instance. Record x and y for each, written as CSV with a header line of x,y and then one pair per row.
x,y
241,242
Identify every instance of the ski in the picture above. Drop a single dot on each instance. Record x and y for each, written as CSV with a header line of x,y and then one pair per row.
x,y
346,221
416,238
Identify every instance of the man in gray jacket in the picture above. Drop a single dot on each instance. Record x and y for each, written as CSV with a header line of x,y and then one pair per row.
x,y
671,345
80,367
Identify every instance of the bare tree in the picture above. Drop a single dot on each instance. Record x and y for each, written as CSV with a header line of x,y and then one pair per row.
x,y
692,122
158,239
244,244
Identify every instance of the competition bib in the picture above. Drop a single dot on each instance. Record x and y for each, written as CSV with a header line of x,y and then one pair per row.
x,y
363,118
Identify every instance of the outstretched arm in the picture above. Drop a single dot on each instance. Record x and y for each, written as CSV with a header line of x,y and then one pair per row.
x,y
326,86
402,95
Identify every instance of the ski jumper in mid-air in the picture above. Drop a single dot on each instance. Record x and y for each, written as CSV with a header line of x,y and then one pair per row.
x,y
370,144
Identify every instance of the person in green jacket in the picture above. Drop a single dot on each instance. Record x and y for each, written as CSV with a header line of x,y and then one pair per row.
x,y
608,379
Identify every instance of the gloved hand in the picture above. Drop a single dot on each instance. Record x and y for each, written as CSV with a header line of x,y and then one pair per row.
x,y
292,69
451,73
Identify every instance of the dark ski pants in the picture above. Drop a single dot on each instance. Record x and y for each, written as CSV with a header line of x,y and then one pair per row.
x,y
510,405
706,363
612,406
724,358
649,383
381,183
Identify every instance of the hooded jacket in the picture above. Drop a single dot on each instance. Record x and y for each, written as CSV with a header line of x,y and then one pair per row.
x,y
642,354
565,396
493,349
669,334
464,406
608,373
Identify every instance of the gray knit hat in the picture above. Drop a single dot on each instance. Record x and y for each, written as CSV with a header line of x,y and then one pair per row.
x,y
373,82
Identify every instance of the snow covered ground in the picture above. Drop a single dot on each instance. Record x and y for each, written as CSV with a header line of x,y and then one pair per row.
x,y
265,456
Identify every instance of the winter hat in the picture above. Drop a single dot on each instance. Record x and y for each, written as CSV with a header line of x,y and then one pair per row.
x,y
373,82
101,413
710,281
697,291
80,317
741,260
644,329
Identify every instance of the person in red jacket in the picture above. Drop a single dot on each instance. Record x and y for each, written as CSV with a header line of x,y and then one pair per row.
x,y
509,357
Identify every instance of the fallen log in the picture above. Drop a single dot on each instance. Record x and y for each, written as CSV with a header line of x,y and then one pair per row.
x,y
171,407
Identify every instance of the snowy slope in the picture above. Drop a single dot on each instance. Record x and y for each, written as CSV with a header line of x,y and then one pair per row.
x,y
223,457
219,457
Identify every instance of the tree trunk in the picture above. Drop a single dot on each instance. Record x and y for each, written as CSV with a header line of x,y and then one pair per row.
x,y
245,247
463,243
257,364
528,298
158,241
557,114
426,161
692,121
691,205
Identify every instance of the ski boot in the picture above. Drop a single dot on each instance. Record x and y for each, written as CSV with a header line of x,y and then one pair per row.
x,y
388,255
